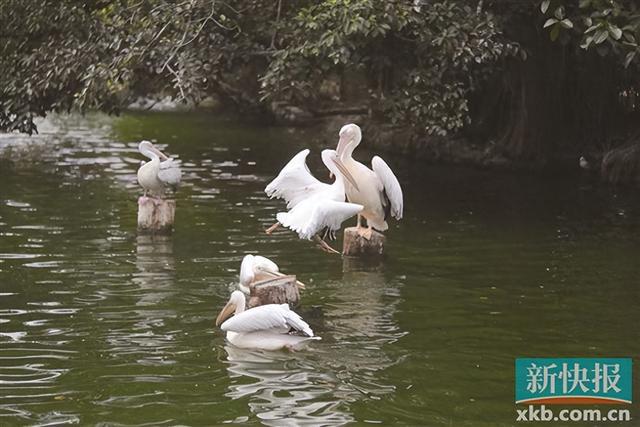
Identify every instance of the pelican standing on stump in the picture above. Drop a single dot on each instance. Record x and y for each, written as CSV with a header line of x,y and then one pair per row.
x,y
266,327
378,190
159,173
313,205
255,268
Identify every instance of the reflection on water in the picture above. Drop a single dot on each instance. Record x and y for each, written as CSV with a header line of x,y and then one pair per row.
x,y
283,389
156,268
100,326
317,388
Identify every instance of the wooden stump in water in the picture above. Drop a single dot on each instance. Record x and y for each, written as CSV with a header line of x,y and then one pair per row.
x,y
156,215
356,245
281,290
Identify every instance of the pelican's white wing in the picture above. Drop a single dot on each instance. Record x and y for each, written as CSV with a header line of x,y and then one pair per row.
x,y
170,172
267,318
294,183
311,216
390,184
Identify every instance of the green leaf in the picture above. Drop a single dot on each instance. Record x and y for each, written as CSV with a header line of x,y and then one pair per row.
x,y
559,12
549,22
615,32
584,3
544,6
566,23
592,28
629,58
587,42
600,36
555,32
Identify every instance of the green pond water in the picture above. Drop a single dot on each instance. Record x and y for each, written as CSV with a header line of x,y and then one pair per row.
x,y
102,326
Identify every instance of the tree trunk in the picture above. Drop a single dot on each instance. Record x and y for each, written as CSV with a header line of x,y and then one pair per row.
x,y
155,215
356,245
282,290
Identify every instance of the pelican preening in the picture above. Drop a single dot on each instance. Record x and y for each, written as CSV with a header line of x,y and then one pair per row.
x,y
255,268
158,174
377,190
266,327
313,205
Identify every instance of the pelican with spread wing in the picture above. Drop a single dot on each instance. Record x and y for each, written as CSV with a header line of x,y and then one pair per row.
x,y
267,327
255,268
159,173
313,205
376,189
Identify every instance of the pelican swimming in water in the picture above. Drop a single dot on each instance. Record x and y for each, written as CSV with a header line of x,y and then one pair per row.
x,y
158,174
378,190
266,327
255,268
313,205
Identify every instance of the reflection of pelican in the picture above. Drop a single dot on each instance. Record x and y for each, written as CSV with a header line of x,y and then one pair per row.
x,y
313,205
284,389
255,268
265,327
156,175
377,190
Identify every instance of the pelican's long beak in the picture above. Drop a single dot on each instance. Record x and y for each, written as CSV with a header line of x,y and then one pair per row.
x,y
342,144
159,153
299,284
226,312
345,172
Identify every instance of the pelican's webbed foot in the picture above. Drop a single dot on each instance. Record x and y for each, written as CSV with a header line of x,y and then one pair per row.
x,y
366,233
324,245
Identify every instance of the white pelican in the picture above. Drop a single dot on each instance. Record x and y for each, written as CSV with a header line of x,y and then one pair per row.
x,y
313,205
378,190
161,172
265,327
255,268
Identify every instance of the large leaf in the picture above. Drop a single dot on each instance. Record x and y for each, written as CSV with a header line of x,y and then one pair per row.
x,y
559,12
615,32
629,58
566,23
592,28
600,36
544,6
549,22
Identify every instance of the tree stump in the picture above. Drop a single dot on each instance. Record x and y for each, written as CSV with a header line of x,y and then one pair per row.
x,y
356,245
156,215
281,290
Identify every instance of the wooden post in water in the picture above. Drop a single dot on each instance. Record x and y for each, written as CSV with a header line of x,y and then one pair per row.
x,y
356,245
281,290
156,215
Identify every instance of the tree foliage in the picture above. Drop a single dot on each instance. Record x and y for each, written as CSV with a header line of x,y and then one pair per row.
x,y
529,75
429,56
64,54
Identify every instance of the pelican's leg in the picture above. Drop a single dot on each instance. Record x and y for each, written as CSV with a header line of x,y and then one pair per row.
x,y
326,233
272,228
324,245
364,231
